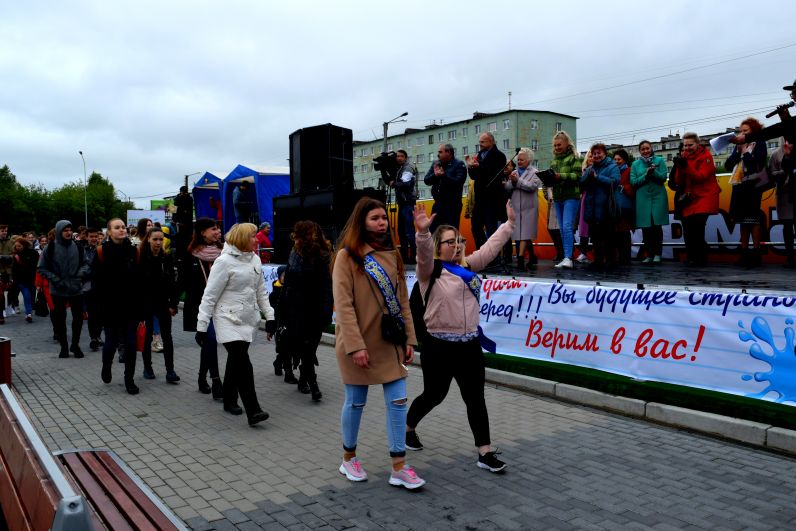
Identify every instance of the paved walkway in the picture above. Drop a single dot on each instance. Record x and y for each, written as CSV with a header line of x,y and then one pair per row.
x,y
570,467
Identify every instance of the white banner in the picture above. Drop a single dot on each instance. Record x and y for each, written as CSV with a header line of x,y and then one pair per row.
x,y
155,215
723,341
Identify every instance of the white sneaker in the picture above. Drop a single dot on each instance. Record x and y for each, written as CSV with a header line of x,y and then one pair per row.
x,y
10,311
353,470
566,263
583,259
407,478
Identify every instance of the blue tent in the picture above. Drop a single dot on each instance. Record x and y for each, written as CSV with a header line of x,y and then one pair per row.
x,y
265,183
206,193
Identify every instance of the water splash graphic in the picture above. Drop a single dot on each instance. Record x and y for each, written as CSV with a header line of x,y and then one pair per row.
x,y
782,376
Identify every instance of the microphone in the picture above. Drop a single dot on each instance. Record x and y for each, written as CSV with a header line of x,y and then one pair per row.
x,y
788,105
517,150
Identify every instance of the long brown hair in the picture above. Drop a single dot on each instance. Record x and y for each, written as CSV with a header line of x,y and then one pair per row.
x,y
309,240
354,235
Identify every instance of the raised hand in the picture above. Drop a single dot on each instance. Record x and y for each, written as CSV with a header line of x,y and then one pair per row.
x,y
512,217
422,221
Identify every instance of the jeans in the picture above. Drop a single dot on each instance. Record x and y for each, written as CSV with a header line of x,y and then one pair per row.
x,y
27,297
59,317
164,317
356,396
567,212
156,326
239,378
124,333
406,230
443,361
208,357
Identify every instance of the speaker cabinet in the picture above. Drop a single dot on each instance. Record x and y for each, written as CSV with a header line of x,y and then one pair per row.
x,y
321,158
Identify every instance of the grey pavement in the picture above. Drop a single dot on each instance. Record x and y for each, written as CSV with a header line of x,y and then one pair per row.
x,y
570,467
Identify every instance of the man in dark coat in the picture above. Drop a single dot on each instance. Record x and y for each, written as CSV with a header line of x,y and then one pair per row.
x,y
786,128
446,178
486,171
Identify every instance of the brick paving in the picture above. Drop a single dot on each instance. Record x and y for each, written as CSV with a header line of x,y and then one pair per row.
x,y
570,467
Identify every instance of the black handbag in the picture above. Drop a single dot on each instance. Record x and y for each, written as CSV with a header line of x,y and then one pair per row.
x,y
393,329
40,305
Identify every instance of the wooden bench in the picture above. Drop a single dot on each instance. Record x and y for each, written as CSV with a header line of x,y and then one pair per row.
x,y
83,490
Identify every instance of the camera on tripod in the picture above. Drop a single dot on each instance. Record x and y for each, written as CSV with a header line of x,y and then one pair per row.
x,y
387,164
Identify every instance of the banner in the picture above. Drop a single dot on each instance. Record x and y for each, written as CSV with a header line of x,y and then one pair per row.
x,y
155,215
724,341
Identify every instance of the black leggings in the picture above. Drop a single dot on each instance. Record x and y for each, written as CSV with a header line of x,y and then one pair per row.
x,y
443,361
239,378
59,318
653,240
305,351
694,235
164,318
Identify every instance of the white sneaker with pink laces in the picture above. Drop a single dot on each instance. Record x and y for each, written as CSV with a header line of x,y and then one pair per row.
x,y
353,470
406,477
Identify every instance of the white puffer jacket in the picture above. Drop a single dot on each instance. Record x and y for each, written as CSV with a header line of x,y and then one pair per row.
x,y
234,289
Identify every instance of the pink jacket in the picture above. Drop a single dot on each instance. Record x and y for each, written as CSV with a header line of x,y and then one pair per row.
x,y
452,309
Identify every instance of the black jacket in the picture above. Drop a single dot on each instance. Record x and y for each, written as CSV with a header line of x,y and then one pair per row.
x,y
449,187
157,285
114,276
23,268
488,177
305,303
193,282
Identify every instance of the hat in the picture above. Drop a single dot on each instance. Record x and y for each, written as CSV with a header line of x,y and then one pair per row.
x,y
281,270
264,224
790,87
202,224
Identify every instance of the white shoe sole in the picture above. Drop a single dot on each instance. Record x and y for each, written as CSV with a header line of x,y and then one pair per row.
x,y
413,449
401,483
344,472
487,467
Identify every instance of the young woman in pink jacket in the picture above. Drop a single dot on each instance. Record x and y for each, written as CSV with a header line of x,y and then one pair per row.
x,y
452,346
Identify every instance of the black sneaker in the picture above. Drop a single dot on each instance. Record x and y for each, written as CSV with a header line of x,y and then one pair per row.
x,y
278,368
131,388
94,345
172,377
413,442
303,387
64,352
149,374
106,373
258,417
490,462
76,351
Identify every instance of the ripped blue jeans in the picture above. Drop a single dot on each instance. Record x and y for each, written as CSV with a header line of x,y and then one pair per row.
x,y
395,400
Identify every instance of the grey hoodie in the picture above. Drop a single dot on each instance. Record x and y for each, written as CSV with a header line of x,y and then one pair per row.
x,y
63,264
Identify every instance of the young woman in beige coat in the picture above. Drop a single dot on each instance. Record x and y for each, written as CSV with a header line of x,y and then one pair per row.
x,y
368,284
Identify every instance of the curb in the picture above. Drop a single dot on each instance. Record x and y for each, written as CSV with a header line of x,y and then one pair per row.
x,y
733,429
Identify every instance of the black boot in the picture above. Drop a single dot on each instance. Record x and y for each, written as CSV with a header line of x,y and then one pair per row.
x,y
316,392
64,349
278,366
217,389
203,387
290,378
520,263
743,260
75,349
129,384
303,387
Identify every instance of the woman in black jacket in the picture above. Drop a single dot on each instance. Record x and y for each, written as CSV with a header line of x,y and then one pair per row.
x,y
305,306
23,271
202,252
158,292
114,272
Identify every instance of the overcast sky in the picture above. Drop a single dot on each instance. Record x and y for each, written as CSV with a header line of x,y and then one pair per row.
x,y
153,90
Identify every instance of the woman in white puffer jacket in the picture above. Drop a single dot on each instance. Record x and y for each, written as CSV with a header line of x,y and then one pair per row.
x,y
235,288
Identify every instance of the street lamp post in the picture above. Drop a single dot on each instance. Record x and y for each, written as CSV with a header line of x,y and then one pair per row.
x,y
85,187
386,125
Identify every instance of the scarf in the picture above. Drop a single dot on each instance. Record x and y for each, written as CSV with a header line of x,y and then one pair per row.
x,y
472,280
648,160
380,242
208,253
623,167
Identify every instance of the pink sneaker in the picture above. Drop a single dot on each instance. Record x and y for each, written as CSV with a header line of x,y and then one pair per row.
x,y
353,470
406,477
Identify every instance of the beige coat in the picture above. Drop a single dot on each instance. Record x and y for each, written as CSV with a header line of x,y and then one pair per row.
x,y
358,307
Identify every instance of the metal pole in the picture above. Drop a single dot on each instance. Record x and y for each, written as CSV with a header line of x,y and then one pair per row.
x,y
85,187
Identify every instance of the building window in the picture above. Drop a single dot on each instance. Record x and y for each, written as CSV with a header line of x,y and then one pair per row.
x,y
400,144
506,143
356,169
668,157
534,145
464,150
491,127
440,136
478,129
419,141
534,124
452,135
476,148
430,139
506,124
464,131
559,126
421,158
389,147
362,152
364,168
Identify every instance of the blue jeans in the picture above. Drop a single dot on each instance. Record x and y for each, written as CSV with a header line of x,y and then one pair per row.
x,y
27,297
567,212
156,326
356,396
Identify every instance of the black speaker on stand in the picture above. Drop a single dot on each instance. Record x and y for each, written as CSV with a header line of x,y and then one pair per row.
x,y
321,158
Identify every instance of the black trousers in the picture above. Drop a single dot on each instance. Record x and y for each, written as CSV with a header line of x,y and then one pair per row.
x,y
443,361
305,349
164,318
239,378
448,212
94,316
124,333
653,240
787,234
603,237
694,236
59,318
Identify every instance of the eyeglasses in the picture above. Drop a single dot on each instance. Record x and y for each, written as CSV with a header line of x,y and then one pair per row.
x,y
454,241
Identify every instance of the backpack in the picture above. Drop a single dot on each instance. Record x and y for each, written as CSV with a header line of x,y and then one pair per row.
x,y
418,303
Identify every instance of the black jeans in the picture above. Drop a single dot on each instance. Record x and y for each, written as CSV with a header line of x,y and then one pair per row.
x,y
164,318
653,240
208,355
305,349
239,378
124,333
694,235
94,316
59,318
443,361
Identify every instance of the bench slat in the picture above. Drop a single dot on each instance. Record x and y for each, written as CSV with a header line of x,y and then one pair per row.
x,y
99,499
10,501
154,513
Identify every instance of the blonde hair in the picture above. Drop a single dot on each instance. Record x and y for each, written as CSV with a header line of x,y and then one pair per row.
x,y
437,236
570,145
586,162
240,234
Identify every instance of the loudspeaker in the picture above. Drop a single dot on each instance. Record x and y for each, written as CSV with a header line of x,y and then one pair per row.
x,y
321,158
328,208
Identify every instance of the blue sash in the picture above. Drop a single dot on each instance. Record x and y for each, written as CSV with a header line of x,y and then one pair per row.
x,y
377,273
473,282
